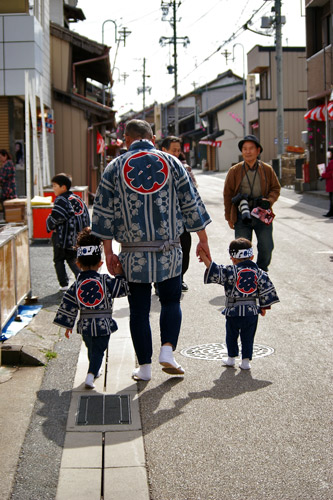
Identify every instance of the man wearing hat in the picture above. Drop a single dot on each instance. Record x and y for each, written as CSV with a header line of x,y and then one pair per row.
x,y
255,182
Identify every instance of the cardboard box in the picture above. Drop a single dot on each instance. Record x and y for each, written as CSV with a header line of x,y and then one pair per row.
x,y
15,210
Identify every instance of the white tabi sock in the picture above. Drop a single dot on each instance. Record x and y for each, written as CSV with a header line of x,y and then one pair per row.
x,y
143,372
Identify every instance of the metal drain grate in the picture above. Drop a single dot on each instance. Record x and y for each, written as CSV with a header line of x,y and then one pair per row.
x,y
215,352
104,410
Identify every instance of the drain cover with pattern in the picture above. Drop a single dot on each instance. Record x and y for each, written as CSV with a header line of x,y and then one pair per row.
x,y
215,352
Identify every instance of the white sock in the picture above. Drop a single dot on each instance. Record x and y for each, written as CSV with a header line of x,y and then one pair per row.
x,y
89,382
245,364
143,372
166,349
229,361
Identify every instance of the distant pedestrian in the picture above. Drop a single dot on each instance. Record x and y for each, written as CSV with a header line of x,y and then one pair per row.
x,y
7,176
68,217
92,295
143,201
248,291
252,184
172,145
328,176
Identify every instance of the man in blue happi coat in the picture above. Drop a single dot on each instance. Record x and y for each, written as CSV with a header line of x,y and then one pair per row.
x,y
144,201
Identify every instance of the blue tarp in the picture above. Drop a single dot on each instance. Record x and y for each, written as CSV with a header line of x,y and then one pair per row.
x,y
26,313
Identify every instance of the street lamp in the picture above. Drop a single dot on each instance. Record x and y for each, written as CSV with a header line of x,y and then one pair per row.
x,y
115,29
244,98
115,38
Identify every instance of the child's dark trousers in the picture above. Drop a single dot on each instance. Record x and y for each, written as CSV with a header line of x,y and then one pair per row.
x,y
96,347
245,327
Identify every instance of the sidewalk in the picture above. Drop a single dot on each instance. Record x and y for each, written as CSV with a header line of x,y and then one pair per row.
x,y
98,461
105,461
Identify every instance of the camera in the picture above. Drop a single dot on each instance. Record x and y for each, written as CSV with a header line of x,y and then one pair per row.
x,y
259,202
241,200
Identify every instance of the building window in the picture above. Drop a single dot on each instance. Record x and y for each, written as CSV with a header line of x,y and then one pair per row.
x,y
326,31
264,85
36,8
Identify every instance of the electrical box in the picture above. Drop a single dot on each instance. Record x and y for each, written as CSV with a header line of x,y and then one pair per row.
x,y
305,136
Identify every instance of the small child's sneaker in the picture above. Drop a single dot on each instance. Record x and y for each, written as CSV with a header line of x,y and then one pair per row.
x,y
228,362
245,364
63,288
89,382
99,373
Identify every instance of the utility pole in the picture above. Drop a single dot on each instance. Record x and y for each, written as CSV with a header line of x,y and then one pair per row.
x,y
143,89
279,82
175,68
173,40
124,33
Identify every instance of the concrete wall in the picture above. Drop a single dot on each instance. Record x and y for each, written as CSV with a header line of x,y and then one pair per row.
x,y
229,152
24,45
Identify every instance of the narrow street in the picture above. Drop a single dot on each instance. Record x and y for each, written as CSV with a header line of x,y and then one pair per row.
x,y
218,432
225,433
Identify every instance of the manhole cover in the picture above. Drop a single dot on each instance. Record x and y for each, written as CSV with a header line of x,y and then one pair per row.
x,y
215,352
104,410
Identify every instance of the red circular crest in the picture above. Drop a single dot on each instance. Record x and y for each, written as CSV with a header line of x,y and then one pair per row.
x,y
90,293
77,205
247,281
145,172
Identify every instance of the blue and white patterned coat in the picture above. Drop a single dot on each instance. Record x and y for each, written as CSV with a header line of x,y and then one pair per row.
x,y
91,291
146,195
244,280
68,217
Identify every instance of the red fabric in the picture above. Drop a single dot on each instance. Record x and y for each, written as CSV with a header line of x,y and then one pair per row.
x,y
319,113
100,143
328,176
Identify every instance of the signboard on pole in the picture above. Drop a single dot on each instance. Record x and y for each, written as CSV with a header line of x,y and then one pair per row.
x,y
251,88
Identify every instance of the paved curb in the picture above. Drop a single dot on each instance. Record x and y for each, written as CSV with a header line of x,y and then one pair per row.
x,y
100,460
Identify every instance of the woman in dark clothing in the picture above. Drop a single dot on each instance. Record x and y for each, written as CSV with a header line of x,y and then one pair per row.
x,y
7,176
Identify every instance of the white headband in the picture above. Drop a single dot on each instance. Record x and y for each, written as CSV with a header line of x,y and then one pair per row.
x,y
91,250
241,254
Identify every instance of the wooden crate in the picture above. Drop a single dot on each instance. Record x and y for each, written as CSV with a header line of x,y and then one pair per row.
x,y
16,210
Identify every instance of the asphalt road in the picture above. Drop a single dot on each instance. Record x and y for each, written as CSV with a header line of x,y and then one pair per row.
x,y
219,433
224,433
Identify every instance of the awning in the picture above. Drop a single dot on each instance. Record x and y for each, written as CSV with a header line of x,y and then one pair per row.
x,y
318,113
214,144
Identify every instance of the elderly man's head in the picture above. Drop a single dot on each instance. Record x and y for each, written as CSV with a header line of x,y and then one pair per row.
x,y
136,130
250,148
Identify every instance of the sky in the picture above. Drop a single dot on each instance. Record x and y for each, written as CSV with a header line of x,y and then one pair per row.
x,y
212,26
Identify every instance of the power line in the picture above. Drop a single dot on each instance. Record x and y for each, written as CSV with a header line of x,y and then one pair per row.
x,y
232,37
205,14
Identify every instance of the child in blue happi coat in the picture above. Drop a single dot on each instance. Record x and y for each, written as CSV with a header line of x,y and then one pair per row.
x,y
68,217
92,294
249,292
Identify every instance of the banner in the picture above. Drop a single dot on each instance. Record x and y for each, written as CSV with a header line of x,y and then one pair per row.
x,y
100,143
